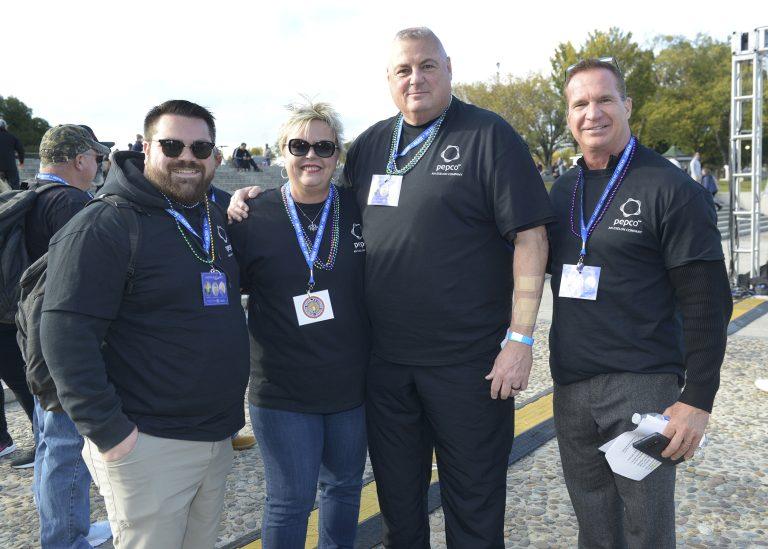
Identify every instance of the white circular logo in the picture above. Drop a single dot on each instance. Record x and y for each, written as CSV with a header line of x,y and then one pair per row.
x,y
357,231
630,207
450,154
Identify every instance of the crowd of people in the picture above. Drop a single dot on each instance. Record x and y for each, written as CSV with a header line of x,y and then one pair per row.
x,y
393,312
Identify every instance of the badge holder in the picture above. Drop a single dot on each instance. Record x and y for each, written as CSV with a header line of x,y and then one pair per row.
x,y
313,306
580,281
385,190
214,284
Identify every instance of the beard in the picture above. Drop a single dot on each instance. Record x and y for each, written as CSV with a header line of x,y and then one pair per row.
x,y
184,190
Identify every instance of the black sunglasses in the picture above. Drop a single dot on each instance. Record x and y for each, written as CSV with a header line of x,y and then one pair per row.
x,y
323,149
99,158
172,148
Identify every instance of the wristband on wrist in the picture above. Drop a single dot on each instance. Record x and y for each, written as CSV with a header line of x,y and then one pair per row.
x,y
520,338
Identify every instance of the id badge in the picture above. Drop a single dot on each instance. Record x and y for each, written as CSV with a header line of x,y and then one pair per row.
x,y
385,190
579,285
214,285
312,308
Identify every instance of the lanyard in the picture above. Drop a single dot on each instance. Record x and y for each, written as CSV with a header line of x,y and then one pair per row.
x,y
309,256
425,139
605,199
56,179
206,239
413,144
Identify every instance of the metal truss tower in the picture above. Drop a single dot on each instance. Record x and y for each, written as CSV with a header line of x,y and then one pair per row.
x,y
749,61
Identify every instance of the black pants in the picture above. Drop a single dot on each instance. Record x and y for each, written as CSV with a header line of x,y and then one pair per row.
x,y
412,410
12,372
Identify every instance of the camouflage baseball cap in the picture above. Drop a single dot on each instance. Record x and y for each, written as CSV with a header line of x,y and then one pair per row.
x,y
66,141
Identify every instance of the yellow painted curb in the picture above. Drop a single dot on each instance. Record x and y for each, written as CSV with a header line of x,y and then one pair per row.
x,y
527,417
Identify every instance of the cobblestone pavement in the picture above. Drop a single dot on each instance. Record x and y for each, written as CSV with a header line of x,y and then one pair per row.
x,y
722,499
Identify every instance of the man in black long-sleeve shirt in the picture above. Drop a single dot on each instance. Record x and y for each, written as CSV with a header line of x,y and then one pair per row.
x,y
10,148
641,308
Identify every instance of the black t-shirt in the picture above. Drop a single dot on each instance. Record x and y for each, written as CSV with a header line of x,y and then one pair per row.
x,y
179,368
53,208
659,219
318,367
438,272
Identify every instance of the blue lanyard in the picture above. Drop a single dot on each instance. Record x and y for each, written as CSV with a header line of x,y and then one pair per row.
x,y
56,179
206,239
309,256
413,144
610,188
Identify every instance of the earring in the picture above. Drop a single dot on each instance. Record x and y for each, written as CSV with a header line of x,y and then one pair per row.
x,y
283,171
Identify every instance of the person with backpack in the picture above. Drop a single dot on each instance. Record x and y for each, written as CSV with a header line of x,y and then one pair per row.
x,y
70,156
149,350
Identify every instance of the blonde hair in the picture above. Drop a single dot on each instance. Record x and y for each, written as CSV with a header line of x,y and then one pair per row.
x,y
302,114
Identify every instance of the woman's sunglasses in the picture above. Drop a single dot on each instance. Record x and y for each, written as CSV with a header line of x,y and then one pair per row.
x,y
323,149
172,148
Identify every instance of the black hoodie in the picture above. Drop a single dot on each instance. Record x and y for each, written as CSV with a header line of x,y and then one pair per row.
x,y
157,357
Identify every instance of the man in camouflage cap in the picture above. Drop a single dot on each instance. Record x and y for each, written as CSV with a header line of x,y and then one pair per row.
x,y
70,157
65,142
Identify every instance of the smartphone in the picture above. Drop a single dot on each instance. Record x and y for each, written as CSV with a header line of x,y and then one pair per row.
x,y
653,445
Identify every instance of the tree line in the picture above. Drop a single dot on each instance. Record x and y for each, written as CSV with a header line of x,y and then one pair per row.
x,y
29,129
680,91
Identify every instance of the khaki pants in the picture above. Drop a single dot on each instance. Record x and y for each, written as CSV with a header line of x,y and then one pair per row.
x,y
164,493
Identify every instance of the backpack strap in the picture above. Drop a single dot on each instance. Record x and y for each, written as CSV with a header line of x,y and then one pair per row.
x,y
130,213
42,188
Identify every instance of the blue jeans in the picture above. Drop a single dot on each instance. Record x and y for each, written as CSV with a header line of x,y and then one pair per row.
x,y
61,483
300,452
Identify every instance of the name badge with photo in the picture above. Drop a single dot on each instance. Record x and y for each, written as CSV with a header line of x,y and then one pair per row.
x,y
385,190
312,308
580,285
214,288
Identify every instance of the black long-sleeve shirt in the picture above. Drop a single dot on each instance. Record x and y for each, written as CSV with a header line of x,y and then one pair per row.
x,y
10,147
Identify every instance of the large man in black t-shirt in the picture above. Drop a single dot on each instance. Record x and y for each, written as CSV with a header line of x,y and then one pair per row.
x,y
641,308
453,209
452,204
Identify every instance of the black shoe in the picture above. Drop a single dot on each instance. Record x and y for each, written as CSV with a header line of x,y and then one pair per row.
x,y
25,460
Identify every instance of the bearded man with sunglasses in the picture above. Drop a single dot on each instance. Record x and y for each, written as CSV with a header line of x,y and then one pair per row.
x,y
641,308
145,336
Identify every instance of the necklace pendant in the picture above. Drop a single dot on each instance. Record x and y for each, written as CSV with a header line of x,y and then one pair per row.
x,y
312,227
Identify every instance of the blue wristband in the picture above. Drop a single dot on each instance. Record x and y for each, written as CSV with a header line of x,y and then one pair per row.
x,y
520,338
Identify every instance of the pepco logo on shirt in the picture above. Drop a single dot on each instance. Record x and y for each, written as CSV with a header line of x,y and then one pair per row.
x,y
631,208
359,243
450,155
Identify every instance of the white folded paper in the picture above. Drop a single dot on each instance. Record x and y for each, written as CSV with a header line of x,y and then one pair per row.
x,y
624,459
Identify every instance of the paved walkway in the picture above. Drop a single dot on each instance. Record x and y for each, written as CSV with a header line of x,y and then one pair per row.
x,y
722,498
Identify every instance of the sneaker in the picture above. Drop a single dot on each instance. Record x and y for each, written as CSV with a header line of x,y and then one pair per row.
x,y
99,533
7,447
25,460
243,442
762,384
